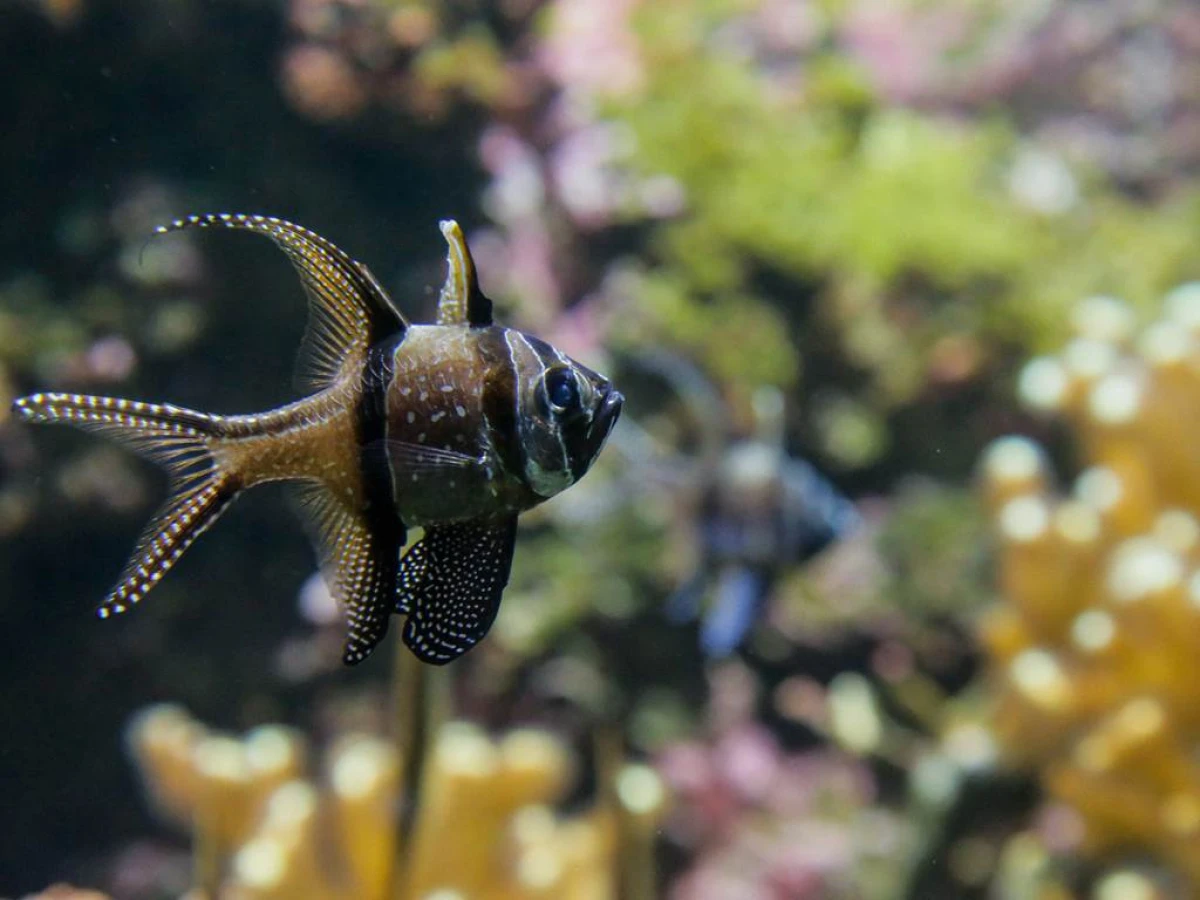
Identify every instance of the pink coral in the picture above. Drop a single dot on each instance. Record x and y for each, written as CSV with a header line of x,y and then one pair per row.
x,y
902,48
764,823
590,47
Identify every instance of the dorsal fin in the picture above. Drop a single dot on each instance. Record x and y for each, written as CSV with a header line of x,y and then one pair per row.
x,y
348,309
461,301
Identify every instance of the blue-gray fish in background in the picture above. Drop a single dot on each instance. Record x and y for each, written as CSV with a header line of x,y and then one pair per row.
x,y
455,427
759,511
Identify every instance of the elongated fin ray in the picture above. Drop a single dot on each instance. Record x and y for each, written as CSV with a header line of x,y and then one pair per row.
x,y
461,301
179,439
451,583
190,512
348,308
361,562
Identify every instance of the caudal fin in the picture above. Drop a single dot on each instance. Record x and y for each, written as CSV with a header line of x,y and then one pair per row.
x,y
181,440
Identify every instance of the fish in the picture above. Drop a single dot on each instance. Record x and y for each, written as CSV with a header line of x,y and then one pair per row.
x,y
751,548
793,516
755,508
455,427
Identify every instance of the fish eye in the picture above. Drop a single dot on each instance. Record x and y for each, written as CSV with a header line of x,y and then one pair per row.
x,y
562,390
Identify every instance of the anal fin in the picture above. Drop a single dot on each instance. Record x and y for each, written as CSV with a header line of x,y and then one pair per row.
x,y
361,560
451,583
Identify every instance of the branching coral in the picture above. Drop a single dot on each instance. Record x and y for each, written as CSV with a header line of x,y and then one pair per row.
x,y
1096,652
485,828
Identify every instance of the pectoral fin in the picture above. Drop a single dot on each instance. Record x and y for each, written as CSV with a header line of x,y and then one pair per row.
x,y
422,458
361,560
450,586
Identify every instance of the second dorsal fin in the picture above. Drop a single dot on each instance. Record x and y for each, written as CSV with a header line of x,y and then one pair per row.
x,y
461,301
349,310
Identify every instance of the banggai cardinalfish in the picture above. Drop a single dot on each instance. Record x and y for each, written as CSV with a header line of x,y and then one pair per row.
x,y
456,427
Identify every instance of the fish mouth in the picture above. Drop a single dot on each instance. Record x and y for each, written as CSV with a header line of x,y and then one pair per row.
x,y
608,413
603,420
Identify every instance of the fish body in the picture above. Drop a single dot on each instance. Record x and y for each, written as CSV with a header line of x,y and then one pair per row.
x,y
467,427
455,427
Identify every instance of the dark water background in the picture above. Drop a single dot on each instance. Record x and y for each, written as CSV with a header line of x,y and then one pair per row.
x,y
129,93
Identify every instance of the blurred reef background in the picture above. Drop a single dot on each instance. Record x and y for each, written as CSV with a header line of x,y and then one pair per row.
x,y
888,584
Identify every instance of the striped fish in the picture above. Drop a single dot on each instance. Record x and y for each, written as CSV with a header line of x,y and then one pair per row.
x,y
455,427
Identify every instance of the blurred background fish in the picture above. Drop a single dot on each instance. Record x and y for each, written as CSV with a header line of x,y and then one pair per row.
x,y
759,512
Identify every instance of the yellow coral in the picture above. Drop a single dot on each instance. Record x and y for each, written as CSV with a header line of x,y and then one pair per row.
x,y
485,830
1096,651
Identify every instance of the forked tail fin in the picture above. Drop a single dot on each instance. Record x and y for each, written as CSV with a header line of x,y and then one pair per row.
x,y
182,441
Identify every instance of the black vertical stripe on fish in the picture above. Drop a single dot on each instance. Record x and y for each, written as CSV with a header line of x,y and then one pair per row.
x,y
365,548
450,586
499,400
550,472
379,370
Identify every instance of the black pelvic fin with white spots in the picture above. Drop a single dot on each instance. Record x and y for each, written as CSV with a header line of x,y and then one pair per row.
x,y
461,301
360,563
348,309
450,586
177,438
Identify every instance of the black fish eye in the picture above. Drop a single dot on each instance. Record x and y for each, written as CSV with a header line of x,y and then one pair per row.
x,y
562,390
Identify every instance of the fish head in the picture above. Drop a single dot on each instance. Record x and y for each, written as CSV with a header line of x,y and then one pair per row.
x,y
565,413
